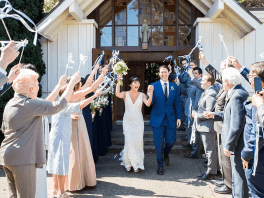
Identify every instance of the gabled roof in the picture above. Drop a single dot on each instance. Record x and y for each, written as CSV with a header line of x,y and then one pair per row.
x,y
231,11
65,10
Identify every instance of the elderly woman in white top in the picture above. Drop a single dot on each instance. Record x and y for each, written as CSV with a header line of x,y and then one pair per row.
x,y
22,150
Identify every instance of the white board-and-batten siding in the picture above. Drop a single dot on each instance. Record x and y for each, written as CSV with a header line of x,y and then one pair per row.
x,y
74,37
246,49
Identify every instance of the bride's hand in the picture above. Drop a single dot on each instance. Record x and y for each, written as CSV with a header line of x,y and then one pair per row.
x,y
120,76
150,89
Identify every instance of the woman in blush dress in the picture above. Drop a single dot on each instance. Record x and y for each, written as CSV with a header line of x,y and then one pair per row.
x,y
132,155
82,168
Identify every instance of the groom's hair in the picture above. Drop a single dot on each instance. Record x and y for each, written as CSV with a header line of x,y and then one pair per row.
x,y
164,66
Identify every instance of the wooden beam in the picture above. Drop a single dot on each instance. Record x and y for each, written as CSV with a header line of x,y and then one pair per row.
x,y
208,3
92,7
243,14
200,6
76,12
215,10
53,16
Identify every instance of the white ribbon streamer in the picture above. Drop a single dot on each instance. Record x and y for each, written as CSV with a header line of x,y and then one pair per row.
x,y
69,61
4,13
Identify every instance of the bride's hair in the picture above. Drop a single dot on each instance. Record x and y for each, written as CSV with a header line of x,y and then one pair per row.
x,y
133,79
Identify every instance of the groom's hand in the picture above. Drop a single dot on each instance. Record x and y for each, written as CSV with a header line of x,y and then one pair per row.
x,y
178,123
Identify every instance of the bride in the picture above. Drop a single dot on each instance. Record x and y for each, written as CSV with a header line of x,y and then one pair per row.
x,y
133,124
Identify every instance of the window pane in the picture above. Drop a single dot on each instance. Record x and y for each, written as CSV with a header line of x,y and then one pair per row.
x,y
157,35
132,13
120,12
185,11
169,36
105,14
106,36
144,11
185,35
132,34
157,12
169,12
120,36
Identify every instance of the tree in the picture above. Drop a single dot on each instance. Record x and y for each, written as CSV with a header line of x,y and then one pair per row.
x,y
50,4
252,3
32,54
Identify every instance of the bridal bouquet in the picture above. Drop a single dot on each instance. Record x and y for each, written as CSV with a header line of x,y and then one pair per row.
x,y
121,68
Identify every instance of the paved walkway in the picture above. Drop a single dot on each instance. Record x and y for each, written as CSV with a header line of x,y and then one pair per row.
x,y
113,180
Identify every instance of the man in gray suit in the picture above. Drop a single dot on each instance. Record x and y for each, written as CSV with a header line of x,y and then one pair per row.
x,y
22,150
233,117
205,127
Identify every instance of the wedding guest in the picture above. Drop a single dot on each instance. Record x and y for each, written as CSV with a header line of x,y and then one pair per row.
x,y
81,167
8,54
205,127
253,153
233,117
194,96
22,150
60,140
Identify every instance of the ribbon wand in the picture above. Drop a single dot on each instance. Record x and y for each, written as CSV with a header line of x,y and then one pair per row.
x,y
25,42
6,29
82,61
69,61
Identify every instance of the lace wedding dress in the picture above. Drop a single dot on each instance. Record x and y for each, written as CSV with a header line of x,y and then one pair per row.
x,y
133,126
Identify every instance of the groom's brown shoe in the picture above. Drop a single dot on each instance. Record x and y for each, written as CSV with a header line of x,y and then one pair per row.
x,y
166,159
160,170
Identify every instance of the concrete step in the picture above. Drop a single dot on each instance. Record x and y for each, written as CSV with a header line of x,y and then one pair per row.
x,y
120,122
177,149
119,133
147,141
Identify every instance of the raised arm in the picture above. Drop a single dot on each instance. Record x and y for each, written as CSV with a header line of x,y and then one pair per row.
x,y
83,93
210,69
46,108
148,100
55,92
90,78
87,101
121,95
243,70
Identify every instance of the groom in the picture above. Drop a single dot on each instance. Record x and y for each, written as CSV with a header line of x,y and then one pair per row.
x,y
165,110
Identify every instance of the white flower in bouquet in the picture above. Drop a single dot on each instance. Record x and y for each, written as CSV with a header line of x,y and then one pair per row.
x,y
121,68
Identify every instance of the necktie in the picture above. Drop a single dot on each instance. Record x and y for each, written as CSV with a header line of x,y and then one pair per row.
x,y
165,91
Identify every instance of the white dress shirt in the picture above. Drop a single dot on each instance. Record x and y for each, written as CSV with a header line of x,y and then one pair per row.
x,y
163,87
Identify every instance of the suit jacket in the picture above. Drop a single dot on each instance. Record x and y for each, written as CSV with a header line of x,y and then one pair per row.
x,y
233,117
160,108
3,79
250,134
206,104
22,127
5,88
194,95
260,115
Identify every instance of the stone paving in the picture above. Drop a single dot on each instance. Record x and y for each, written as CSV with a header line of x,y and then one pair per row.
x,y
113,180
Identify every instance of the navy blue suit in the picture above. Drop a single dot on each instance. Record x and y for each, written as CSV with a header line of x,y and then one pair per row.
x,y
233,117
255,183
163,118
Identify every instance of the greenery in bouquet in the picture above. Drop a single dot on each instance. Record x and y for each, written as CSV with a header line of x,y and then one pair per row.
x,y
121,68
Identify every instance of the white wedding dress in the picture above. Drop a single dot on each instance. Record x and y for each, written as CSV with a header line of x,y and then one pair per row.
x,y
133,126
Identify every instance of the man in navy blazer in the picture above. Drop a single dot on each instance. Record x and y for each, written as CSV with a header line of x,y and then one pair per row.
x,y
165,113
233,117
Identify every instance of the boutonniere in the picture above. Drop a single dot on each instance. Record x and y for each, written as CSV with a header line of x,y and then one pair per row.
x,y
203,94
250,98
172,88
228,98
